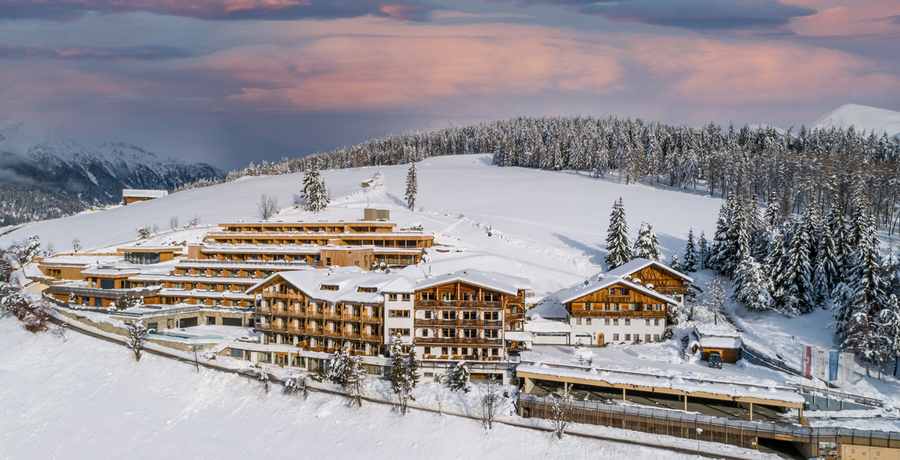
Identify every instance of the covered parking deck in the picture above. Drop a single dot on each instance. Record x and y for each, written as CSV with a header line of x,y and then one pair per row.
x,y
708,397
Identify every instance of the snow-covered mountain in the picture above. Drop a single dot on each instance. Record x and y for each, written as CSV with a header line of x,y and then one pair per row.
x,y
862,117
46,176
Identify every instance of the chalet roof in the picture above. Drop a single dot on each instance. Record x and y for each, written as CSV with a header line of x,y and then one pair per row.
x,y
143,193
346,279
599,282
490,280
638,264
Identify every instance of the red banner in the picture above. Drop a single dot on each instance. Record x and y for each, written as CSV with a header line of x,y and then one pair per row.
x,y
807,361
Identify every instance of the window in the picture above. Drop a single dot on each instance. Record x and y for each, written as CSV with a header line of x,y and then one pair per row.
x,y
628,321
329,287
578,321
647,322
495,352
615,321
656,321
616,307
425,333
398,313
448,333
658,307
616,337
470,315
427,350
448,296
407,297
627,337
606,321
646,337
491,316
235,353
427,314
656,337
491,334
470,296
298,361
470,333
210,320
454,351
448,314
371,290
445,351
392,297
491,297
587,321
404,332
264,357
426,296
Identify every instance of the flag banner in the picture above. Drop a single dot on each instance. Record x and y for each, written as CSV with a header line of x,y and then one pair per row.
x,y
834,357
807,361
821,365
847,367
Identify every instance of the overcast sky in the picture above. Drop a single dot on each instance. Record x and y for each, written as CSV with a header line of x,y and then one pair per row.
x,y
230,81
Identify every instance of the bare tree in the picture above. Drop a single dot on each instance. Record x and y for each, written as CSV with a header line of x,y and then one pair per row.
x,y
561,414
263,379
136,340
61,331
76,244
173,222
716,290
491,400
440,393
267,206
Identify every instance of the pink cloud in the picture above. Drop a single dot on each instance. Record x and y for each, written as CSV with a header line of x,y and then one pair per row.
x,y
842,17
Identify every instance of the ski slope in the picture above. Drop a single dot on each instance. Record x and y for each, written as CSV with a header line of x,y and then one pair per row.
x,y
547,226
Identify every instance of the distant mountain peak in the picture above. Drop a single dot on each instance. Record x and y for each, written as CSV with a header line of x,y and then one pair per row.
x,y
862,117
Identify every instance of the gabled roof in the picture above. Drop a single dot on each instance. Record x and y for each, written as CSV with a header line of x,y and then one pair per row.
x,y
347,279
599,282
639,264
489,280
143,193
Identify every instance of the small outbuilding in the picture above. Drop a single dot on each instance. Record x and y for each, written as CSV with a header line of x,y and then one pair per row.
x,y
133,195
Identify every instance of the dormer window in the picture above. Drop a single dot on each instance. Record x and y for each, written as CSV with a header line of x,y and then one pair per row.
x,y
329,287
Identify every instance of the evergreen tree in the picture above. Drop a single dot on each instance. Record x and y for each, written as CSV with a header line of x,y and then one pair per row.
x,y
618,248
772,217
752,286
458,377
703,251
314,191
674,263
340,366
776,261
837,225
797,279
690,262
646,246
412,187
826,267
888,332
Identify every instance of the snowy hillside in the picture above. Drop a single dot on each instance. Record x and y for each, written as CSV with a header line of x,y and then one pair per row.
x,y
861,117
88,399
547,226
46,176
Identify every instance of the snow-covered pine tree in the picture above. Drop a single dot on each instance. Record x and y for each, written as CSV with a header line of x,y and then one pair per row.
x,y
404,375
674,262
339,366
731,237
826,265
412,187
689,263
618,248
458,377
797,279
356,381
752,286
776,261
702,251
772,217
855,319
646,246
314,191
135,341
24,251
837,225
888,332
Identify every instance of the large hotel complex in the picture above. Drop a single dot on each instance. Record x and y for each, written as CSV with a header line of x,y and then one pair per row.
x,y
312,288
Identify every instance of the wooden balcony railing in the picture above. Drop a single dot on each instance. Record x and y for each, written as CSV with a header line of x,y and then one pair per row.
x,y
617,314
438,322
457,341
456,304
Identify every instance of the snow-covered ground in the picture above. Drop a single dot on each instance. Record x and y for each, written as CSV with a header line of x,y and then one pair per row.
x,y
88,399
547,226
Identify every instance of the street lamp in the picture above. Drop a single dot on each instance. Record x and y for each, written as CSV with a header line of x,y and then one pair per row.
x,y
699,430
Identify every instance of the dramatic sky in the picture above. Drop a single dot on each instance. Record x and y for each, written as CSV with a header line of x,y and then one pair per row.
x,y
229,81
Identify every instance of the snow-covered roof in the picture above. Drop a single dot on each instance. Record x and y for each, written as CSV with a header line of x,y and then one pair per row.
x,y
639,264
518,336
538,324
491,280
720,342
348,280
143,193
111,271
599,282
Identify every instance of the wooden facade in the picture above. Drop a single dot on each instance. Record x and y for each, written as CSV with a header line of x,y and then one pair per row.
x,y
288,315
460,320
617,300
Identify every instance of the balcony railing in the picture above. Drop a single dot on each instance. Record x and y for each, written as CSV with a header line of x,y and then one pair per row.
x,y
456,304
457,340
103,293
618,314
438,322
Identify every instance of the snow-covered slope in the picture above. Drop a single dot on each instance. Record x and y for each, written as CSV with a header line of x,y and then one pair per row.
x,y
547,226
89,399
861,117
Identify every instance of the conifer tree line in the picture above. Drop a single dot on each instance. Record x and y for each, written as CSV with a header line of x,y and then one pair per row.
x,y
794,264
802,167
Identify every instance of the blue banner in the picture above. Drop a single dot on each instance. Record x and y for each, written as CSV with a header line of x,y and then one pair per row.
x,y
833,357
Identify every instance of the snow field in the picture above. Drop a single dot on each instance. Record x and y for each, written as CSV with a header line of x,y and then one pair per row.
x,y
87,398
